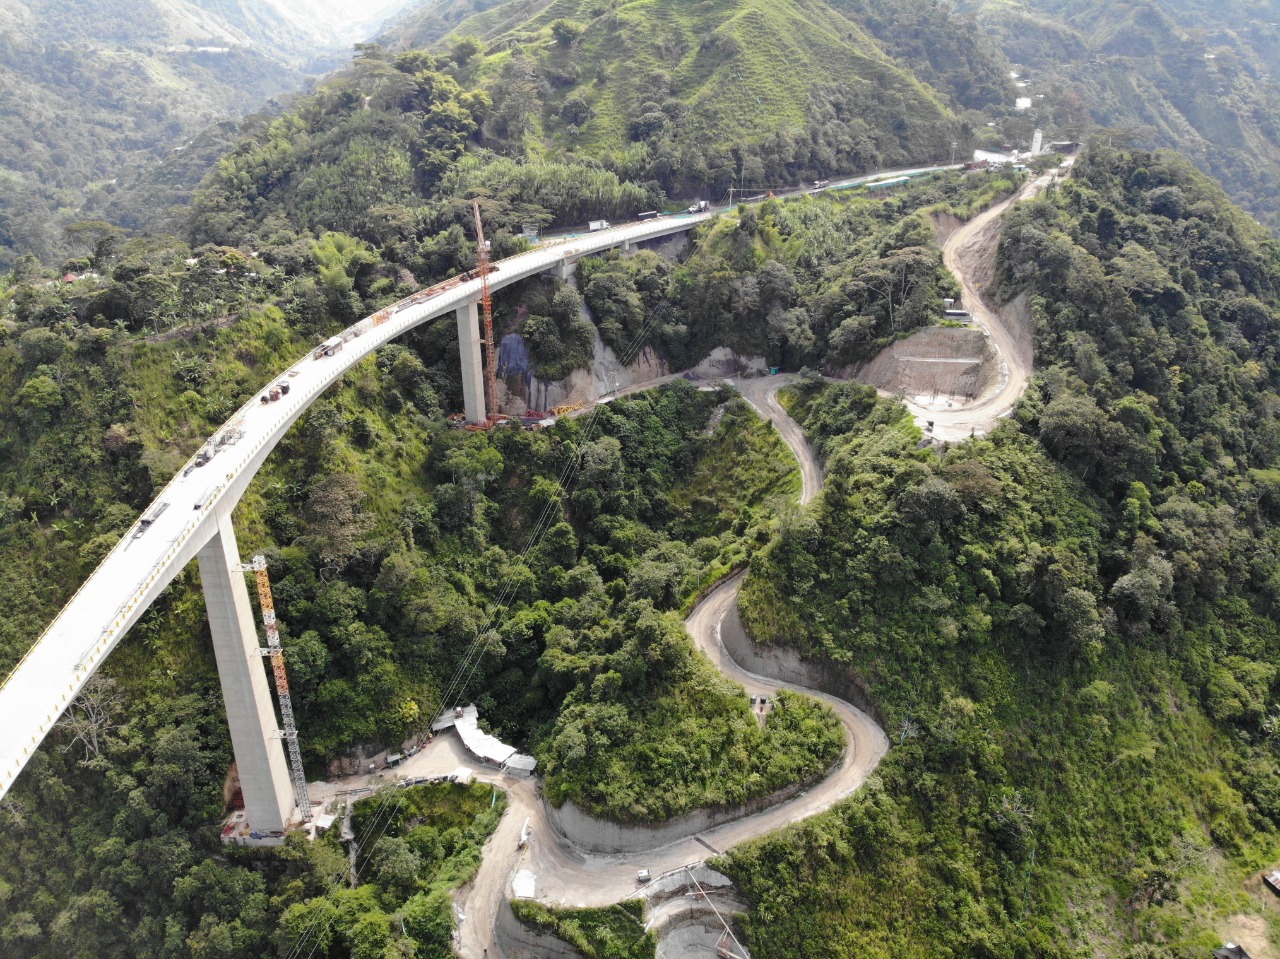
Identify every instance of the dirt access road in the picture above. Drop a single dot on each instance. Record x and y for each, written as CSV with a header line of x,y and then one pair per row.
x,y
565,874
568,875
762,394
970,254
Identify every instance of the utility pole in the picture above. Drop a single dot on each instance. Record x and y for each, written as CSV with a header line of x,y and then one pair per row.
x,y
954,144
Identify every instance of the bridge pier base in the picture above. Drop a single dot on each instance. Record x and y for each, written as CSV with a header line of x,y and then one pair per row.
x,y
251,715
472,368
564,270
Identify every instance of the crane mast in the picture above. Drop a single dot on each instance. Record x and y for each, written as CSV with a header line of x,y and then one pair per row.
x,y
275,653
486,301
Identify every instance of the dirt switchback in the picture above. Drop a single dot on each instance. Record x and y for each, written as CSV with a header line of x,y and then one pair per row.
x,y
969,252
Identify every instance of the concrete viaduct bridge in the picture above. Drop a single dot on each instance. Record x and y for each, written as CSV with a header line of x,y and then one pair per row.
x,y
191,519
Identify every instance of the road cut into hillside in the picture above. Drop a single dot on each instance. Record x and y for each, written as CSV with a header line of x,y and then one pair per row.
x,y
564,872
962,400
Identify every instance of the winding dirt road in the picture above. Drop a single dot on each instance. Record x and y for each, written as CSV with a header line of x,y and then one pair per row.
x,y
969,253
762,394
567,875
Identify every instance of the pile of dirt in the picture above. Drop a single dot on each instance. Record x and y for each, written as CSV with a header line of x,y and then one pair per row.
x,y
936,367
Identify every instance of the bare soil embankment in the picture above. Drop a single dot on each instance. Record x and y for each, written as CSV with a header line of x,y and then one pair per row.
x,y
936,368
971,398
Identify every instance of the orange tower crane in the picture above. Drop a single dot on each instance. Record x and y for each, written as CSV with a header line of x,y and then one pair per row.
x,y
486,302
275,652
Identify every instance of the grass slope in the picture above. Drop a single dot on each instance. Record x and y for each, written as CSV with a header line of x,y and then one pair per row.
x,y
742,68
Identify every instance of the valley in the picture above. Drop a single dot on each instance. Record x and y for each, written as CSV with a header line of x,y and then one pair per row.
x,y
871,548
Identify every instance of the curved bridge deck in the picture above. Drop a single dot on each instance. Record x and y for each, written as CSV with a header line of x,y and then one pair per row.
x,y
184,516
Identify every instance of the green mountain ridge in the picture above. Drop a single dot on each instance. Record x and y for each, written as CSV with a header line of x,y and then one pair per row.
x,y
1196,76
1069,626
742,70
639,82
92,90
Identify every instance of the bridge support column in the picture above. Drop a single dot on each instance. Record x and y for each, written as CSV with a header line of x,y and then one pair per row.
x,y
251,715
564,270
472,366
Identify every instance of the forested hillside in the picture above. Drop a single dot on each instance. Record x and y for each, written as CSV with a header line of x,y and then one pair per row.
x,y
93,90
1071,624
385,152
1196,75
391,537
389,534
697,97
949,51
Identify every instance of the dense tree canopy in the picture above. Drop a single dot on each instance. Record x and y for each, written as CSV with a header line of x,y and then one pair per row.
x,y
1070,625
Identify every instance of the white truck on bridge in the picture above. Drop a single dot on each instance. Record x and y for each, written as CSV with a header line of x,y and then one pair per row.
x,y
191,517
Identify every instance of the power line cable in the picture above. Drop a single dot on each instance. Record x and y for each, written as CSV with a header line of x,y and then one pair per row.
x,y
471,659
296,949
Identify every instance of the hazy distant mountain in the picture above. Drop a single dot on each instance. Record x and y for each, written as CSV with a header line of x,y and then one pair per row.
x,y
89,89
307,27
1197,75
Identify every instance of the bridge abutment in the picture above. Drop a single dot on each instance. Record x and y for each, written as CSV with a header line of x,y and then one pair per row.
x,y
472,368
251,715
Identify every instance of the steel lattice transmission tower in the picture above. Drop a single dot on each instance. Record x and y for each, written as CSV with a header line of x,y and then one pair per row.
x,y
275,652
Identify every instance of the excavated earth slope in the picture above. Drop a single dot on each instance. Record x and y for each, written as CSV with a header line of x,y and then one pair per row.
x,y
937,367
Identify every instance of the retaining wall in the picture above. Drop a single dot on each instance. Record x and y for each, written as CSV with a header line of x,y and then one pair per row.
x,y
519,941
785,665
780,663
935,362
601,835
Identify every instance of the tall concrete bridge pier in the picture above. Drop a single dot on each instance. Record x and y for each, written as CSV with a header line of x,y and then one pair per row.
x,y
472,365
251,716
191,519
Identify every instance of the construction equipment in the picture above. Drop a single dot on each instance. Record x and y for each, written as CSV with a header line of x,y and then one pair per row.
x,y
486,302
274,651
144,524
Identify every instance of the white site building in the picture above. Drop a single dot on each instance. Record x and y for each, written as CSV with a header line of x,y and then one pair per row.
x,y
488,749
